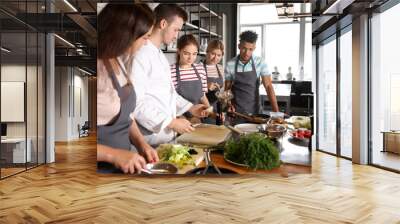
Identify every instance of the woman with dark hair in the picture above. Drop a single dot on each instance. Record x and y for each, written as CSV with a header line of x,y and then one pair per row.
x,y
122,30
189,78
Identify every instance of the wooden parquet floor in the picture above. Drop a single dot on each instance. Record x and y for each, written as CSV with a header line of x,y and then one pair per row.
x,y
70,191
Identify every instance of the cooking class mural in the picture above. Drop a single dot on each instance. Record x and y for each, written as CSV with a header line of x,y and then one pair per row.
x,y
175,96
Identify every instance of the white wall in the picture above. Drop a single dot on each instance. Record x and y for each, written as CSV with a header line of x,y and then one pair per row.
x,y
61,103
69,85
16,73
33,127
79,117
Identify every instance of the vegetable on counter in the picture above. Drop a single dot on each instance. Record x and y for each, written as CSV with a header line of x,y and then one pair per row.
x,y
254,150
301,134
176,154
301,122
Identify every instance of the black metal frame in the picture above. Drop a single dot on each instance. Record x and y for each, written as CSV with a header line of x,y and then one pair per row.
x,y
44,75
369,78
338,98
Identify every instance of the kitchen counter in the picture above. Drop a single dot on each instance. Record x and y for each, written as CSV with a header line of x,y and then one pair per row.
x,y
295,156
285,169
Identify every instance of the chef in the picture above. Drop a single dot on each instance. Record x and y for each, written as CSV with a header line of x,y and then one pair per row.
x,y
242,77
158,103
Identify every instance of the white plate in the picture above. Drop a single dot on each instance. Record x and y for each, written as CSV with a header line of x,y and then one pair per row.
x,y
235,163
248,128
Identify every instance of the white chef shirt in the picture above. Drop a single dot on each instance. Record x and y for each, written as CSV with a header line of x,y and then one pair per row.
x,y
157,102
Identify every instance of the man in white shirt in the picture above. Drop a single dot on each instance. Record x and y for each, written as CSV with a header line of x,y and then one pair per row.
x,y
158,104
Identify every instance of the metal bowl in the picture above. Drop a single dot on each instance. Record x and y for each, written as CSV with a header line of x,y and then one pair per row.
x,y
161,168
275,130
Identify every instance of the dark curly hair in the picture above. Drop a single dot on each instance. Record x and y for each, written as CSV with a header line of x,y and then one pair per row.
x,y
248,36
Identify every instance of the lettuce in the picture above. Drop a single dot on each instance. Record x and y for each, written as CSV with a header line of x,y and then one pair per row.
x,y
176,154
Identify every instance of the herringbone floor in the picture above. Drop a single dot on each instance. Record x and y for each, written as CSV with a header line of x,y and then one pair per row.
x,y
70,191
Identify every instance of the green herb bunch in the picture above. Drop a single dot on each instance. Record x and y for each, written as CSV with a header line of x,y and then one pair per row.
x,y
253,150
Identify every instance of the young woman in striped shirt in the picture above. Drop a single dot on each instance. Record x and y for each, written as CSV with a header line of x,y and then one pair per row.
x,y
189,78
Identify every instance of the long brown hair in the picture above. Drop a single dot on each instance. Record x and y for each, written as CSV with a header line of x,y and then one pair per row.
x,y
184,41
119,25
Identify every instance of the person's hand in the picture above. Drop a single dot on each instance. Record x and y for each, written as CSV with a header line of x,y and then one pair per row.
x,y
181,125
150,154
215,115
231,108
129,162
213,86
199,110
194,120
221,116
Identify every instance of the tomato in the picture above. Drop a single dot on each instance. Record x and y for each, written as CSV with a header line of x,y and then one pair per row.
x,y
307,134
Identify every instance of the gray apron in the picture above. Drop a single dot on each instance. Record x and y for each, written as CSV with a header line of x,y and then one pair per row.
x,y
116,133
245,91
190,90
212,99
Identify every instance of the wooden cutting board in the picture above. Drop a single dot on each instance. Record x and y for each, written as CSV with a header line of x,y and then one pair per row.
x,y
197,158
206,134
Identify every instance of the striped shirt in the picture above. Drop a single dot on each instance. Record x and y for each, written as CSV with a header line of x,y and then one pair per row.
x,y
212,71
259,63
188,74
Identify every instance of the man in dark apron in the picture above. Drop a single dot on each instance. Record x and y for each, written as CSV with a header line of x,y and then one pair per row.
x,y
242,75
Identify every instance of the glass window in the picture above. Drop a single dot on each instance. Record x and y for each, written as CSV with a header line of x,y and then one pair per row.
x,y
308,52
346,94
13,87
385,88
266,13
31,97
282,47
41,79
279,37
327,96
22,92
